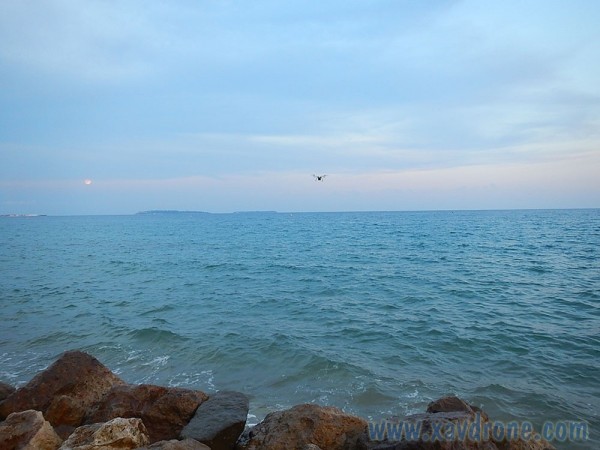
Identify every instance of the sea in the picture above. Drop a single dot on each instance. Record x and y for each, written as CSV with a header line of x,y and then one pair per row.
x,y
377,313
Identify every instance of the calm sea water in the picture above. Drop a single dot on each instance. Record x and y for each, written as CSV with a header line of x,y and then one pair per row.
x,y
376,313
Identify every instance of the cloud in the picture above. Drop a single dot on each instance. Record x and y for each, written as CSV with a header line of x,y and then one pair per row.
x,y
93,41
186,90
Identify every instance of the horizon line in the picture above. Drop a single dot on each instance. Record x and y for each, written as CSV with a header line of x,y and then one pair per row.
x,y
175,211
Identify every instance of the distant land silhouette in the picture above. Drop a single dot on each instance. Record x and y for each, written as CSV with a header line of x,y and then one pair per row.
x,y
23,215
169,211
177,212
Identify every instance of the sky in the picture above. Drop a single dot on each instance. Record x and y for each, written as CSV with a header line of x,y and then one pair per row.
x,y
113,107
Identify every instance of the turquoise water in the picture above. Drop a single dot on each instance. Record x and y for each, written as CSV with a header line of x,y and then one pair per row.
x,y
376,313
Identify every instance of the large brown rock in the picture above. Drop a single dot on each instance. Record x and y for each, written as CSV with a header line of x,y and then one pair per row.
x,y
186,444
27,430
5,390
165,411
117,434
64,391
294,429
219,421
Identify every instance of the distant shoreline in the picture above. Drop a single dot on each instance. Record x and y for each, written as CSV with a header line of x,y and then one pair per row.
x,y
23,215
177,212
169,212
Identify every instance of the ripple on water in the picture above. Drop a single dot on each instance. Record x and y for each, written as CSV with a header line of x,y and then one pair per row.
x,y
376,312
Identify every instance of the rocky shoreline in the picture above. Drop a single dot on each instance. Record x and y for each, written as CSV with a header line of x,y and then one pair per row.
x,y
79,404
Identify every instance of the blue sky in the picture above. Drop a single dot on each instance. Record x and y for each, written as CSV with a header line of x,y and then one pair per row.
x,y
233,105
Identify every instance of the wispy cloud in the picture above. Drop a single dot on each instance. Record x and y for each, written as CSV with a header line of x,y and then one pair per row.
x,y
91,41
211,91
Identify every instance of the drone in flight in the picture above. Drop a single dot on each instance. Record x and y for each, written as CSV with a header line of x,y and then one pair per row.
x,y
319,177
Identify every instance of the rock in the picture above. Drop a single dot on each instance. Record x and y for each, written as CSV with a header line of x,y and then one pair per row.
x,y
186,444
117,434
454,404
64,391
165,411
449,404
219,421
431,421
293,429
28,430
5,390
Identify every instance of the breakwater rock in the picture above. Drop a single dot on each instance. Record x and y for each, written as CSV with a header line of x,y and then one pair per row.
x,y
79,404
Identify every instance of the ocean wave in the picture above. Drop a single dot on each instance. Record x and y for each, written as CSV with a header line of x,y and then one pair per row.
x,y
376,313
155,335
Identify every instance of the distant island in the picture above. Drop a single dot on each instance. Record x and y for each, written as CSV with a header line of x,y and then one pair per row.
x,y
168,212
171,212
22,215
255,212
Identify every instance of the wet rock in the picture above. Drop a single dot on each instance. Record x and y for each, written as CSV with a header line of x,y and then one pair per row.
x,y
5,390
293,429
186,444
219,421
117,434
165,411
64,391
28,430
455,404
449,404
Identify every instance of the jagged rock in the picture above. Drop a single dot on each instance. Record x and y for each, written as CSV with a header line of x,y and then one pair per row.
x,y
440,421
64,391
324,426
165,411
449,404
27,430
455,404
219,421
5,390
186,444
117,434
